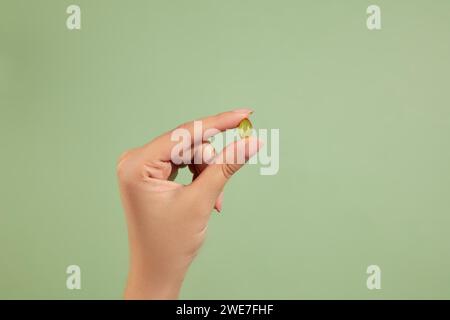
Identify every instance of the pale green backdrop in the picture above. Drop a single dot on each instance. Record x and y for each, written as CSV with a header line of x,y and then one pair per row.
x,y
364,119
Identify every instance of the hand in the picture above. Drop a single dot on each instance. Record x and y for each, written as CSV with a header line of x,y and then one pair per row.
x,y
167,221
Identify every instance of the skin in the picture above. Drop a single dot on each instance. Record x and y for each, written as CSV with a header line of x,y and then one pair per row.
x,y
167,221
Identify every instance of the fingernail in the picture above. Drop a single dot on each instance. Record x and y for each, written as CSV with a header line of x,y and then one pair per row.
x,y
243,111
220,202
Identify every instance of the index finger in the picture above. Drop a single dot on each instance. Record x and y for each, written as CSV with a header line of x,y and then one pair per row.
x,y
162,146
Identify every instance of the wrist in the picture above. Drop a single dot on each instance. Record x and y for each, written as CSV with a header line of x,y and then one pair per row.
x,y
143,284
140,289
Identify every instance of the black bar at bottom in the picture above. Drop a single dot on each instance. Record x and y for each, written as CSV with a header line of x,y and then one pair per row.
x,y
226,309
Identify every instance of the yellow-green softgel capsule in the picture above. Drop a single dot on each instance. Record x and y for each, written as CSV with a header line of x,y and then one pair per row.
x,y
245,128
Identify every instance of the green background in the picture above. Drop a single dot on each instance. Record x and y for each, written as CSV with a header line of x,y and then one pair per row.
x,y
364,123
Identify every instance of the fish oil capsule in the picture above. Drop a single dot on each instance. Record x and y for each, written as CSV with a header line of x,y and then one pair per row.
x,y
245,128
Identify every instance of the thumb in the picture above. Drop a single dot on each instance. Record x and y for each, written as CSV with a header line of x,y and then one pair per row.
x,y
213,179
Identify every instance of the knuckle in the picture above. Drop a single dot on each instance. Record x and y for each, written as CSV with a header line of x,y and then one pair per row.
x,y
228,169
184,125
124,164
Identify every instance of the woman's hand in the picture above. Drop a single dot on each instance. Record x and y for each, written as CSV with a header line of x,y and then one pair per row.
x,y
167,221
